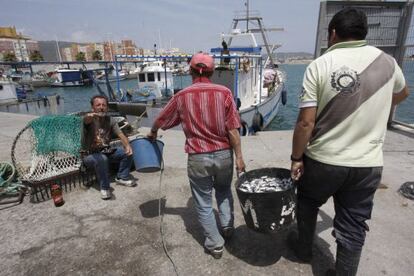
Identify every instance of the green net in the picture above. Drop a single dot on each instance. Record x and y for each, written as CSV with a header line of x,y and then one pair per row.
x,y
56,133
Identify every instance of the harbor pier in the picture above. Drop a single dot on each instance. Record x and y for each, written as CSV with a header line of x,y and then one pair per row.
x,y
89,236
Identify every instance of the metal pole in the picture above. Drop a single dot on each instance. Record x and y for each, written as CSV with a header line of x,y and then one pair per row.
x,y
236,80
247,16
118,91
265,41
260,79
165,75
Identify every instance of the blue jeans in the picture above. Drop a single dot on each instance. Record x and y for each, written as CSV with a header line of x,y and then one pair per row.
x,y
205,172
100,162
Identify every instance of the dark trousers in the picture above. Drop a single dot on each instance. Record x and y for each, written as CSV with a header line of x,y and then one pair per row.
x,y
353,192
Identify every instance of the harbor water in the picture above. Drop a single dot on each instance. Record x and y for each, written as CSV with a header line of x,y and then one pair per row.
x,y
77,98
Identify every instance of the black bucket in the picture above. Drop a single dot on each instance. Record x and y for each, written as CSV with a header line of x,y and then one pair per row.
x,y
267,212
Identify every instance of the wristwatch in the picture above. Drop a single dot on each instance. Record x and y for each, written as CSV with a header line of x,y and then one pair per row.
x,y
294,159
153,130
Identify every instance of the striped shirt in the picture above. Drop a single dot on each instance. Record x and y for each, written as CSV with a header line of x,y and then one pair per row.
x,y
206,112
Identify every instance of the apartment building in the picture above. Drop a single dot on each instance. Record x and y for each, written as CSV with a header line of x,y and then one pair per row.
x,y
17,44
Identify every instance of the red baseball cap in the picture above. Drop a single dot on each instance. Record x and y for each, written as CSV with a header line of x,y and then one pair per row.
x,y
202,62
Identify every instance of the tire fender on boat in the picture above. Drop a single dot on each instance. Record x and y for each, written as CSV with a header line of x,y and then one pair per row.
x,y
257,122
244,128
284,97
45,101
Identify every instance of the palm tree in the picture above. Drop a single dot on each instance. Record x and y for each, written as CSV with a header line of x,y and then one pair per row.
x,y
96,55
36,56
9,57
80,56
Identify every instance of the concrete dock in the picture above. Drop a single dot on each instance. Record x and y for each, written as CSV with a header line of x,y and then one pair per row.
x,y
89,236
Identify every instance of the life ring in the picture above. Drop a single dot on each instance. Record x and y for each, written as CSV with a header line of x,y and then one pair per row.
x,y
257,122
284,97
244,128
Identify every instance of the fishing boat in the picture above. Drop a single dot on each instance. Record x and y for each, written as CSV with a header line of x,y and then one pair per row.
x,y
243,65
155,81
68,78
249,70
8,92
112,75
13,98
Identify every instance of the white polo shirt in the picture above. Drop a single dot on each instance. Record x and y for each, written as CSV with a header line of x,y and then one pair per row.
x,y
351,85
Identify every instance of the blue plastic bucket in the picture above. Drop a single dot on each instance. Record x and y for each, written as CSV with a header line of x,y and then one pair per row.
x,y
147,154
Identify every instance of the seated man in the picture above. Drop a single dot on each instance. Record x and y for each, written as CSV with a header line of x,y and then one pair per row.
x,y
98,129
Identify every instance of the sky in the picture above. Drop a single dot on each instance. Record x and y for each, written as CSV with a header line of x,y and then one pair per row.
x,y
191,25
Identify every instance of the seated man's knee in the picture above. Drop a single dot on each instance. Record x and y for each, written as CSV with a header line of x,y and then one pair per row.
x,y
96,160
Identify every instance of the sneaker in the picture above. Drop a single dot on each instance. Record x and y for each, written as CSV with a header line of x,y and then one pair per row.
x,y
301,252
106,194
216,252
227,233
125,182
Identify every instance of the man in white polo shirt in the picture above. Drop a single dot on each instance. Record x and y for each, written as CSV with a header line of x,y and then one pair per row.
x,y
337,143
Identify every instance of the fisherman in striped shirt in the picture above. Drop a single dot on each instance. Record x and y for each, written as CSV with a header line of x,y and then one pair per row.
x,y
210,121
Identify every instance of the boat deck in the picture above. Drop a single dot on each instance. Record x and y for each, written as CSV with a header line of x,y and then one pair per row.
x,y
89,236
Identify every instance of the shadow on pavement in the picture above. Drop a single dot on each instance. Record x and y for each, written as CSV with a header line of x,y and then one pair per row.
x,y
150,209
254,248
322,256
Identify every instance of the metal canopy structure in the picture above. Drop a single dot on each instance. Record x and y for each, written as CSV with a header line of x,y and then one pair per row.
x,y
390,28
388,24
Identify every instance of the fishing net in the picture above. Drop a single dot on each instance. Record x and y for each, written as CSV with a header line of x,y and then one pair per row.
x,y
47,147
57,133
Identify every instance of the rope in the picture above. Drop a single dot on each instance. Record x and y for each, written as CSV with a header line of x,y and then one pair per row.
x,y
161,215
7,174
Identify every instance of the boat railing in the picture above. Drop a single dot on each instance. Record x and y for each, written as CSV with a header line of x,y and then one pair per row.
x,y
243,14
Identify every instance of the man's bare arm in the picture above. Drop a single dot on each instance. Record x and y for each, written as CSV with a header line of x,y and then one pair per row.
x,y
235,143
400,96
301,136
125,143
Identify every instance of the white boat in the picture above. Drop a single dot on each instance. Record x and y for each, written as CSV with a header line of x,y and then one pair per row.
x,y
112,75
13,99
8,93
253,77
155,81
68,78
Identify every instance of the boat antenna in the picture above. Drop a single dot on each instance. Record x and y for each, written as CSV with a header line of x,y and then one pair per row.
x,y
247,15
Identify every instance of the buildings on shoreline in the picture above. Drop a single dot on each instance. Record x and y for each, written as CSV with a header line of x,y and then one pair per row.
x,y
23,47
15,46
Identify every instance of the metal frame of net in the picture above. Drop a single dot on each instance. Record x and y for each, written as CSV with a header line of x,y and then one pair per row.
x,y
48,147
47,151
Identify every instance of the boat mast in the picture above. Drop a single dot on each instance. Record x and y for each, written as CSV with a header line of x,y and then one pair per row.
x,y
247,15
110,50
261,29
58,50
